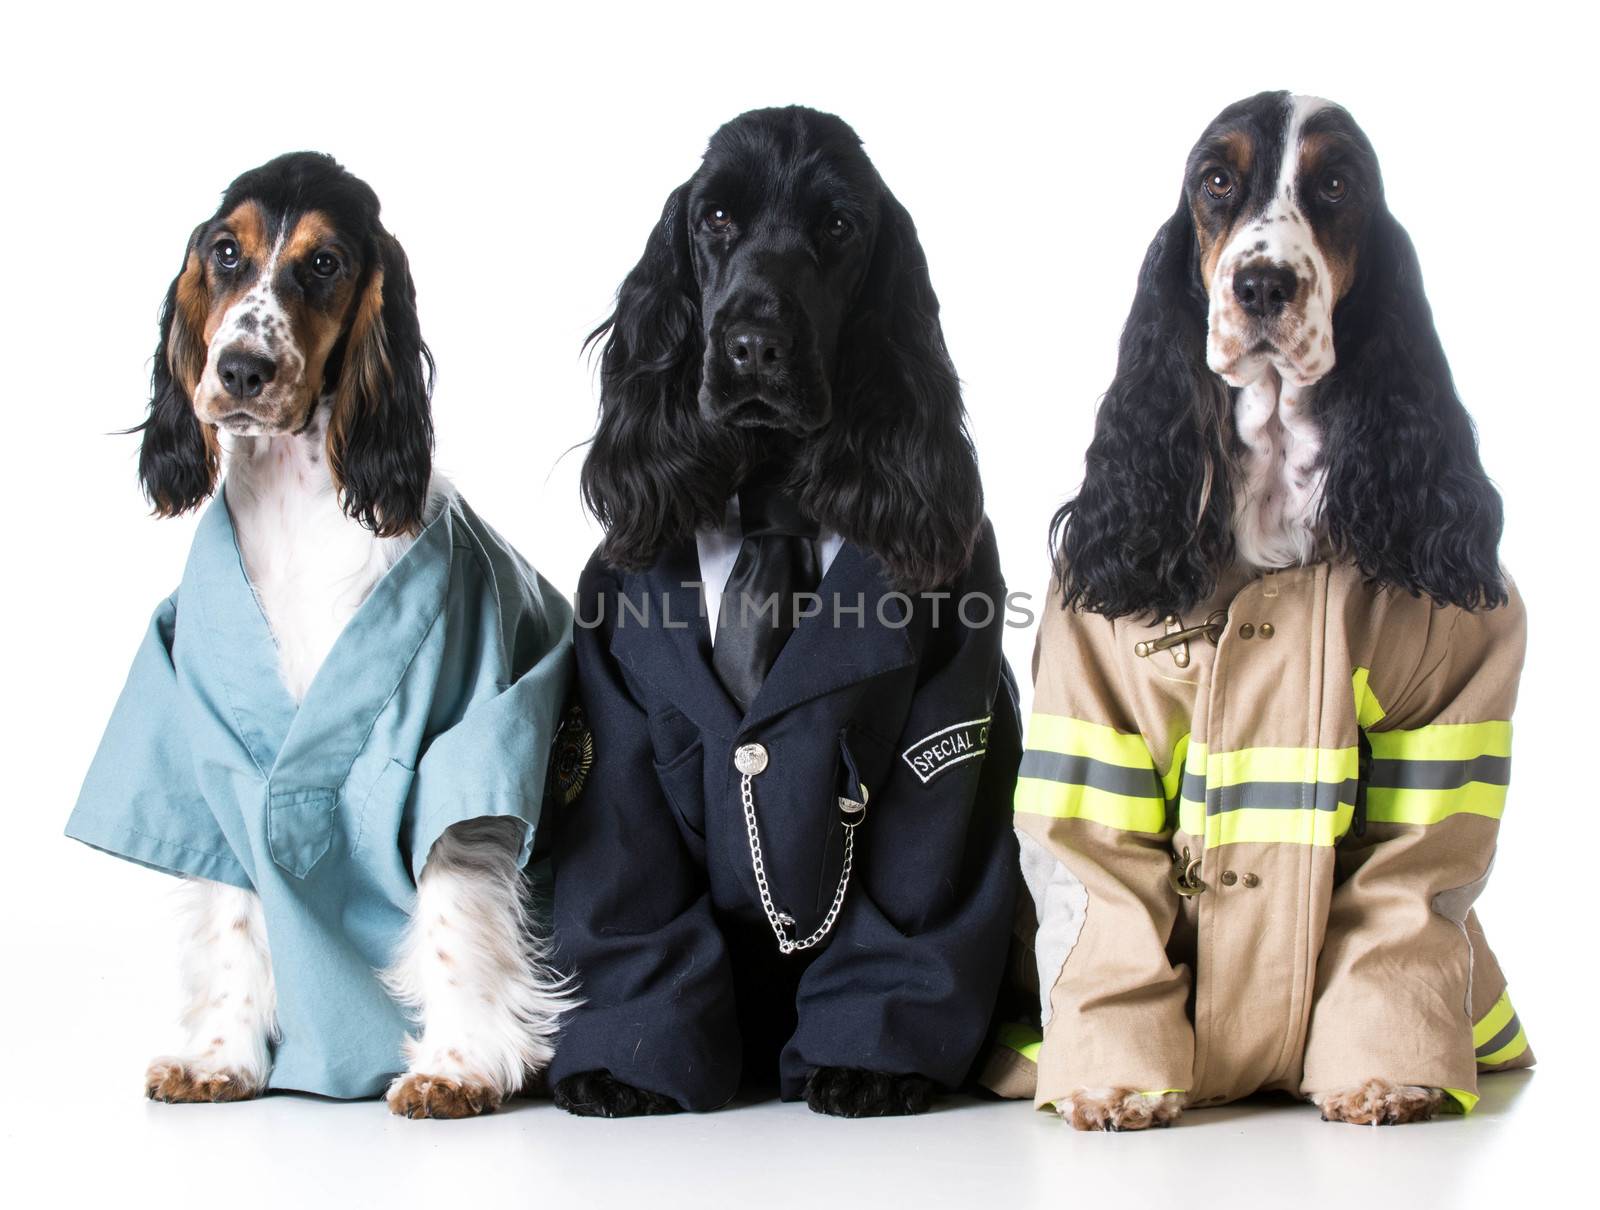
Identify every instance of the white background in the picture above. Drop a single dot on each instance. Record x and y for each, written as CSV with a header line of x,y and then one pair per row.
x,y
522,159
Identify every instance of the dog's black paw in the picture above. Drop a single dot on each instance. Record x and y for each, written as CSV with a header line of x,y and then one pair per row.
x,y
849,1092
599,1094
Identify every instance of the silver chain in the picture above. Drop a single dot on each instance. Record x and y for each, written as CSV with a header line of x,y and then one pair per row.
x,y
781,920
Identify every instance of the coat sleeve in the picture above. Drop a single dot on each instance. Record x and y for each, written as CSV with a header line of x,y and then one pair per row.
x,y
908,982
1093,820
1401,993
632,907
140,799
491,762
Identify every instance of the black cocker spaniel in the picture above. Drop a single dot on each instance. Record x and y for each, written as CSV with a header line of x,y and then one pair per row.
x,y
783,301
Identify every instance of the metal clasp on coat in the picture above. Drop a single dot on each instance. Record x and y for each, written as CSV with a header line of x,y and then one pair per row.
x,y
1178,635
1185,875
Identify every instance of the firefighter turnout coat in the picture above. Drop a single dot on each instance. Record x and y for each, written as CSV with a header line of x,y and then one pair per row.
x,y
1253,836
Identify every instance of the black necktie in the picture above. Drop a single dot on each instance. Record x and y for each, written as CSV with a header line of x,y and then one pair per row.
x,y
776,561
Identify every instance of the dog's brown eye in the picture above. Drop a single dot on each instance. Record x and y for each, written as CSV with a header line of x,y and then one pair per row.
x,y
226,254
837,226
1218,182
1333,187
718,219
324,264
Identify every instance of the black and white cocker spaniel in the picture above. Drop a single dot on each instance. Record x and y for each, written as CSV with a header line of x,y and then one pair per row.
x,y
1281,394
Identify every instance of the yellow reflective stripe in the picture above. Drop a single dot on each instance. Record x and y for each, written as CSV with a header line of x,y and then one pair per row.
x,y
1258,825
1024,1039
1162,1092
1443,741
1281,765
1507,1052
1061,800
1494,1021
1388,805
1173,781
1468,1101
1369,712
1074,737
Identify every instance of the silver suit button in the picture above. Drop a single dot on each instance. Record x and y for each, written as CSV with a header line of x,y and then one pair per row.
x,y
750,759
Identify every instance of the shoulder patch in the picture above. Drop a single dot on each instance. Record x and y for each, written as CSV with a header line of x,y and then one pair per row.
x,y
571,757
933,754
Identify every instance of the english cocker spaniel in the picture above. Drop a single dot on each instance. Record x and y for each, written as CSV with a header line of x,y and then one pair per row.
x,y
1271,734
793,859
337,727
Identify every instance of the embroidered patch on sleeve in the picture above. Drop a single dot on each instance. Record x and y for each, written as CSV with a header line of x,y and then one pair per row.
x,y
933,754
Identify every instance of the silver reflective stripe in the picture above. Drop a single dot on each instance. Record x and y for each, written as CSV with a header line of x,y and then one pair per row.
x,y
1086,771
1501,1039
1271,795
1440,774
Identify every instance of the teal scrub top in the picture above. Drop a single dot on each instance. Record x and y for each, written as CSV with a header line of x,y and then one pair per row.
x,y
436,704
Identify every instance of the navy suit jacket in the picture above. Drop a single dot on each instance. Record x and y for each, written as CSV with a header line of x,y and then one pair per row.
x,y
656,903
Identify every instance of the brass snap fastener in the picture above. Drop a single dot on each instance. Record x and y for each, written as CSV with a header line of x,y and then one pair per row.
x,y
1266,630
1252,880
750,759
1247,631
1229,878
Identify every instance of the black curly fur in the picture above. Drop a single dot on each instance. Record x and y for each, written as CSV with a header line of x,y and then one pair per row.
x,y
598,1094
848,1092
893,471
1405,496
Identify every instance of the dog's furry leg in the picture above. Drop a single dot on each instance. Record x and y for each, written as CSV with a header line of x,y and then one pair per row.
x,y
849,1092
230,1002
475,970
1117,1109
1380,1103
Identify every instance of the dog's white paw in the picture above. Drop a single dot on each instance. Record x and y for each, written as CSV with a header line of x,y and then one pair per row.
x,y
415,1095
1380,1103
195,1081
1116,1109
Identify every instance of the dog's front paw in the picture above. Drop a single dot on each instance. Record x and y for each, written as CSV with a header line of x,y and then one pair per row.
x,y
599,1094
416,1095
1380,1103
1115,1109
849,1092
184,1081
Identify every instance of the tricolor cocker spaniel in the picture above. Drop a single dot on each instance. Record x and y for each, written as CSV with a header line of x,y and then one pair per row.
x,y
1280,389
1282,452
292,366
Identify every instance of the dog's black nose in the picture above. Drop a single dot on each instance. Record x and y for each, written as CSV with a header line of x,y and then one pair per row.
x,y
244,374
757,348
1264,290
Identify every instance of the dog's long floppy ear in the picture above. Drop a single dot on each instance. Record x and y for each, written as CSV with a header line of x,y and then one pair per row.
x,y
1149,529
648,476
895,471
1405,496
178,456
380,435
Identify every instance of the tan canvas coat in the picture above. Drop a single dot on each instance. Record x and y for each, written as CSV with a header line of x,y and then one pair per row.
x,y
1253,859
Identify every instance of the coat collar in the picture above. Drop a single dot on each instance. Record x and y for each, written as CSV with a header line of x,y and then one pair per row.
x,y
315,743
819,658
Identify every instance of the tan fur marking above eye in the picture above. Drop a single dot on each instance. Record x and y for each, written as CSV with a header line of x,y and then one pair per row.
x,y
311,232
249,228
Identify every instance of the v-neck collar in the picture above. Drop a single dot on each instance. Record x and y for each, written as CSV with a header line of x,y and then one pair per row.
x,y
819,658
314,744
